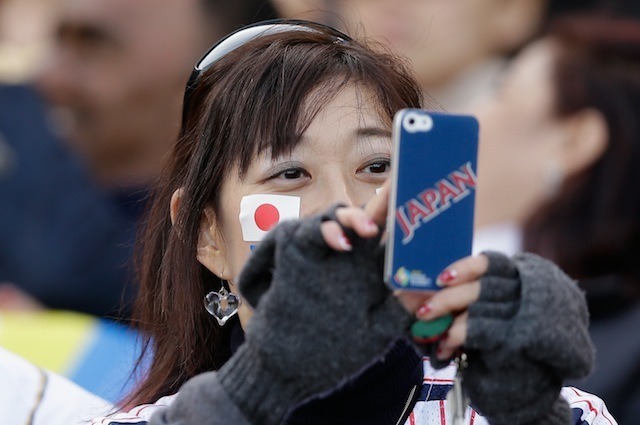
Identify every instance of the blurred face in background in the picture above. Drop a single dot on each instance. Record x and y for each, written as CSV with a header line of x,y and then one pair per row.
x,y
117,73
302,9
522,140
443,37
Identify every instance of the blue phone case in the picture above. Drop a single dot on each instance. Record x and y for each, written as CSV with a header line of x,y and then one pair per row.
x,y
432,197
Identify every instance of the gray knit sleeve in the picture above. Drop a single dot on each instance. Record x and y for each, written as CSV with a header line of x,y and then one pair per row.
x,y
526,334
320,317
201,401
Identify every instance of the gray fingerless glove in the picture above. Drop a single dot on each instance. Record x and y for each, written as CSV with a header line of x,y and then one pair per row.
x,y
527,333
320,317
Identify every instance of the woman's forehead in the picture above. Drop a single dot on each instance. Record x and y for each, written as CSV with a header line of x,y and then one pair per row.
x,y
350,121
354,98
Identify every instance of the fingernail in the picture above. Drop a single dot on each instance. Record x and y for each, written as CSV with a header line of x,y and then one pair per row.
x,y
446,276
424,310
371,226
344,243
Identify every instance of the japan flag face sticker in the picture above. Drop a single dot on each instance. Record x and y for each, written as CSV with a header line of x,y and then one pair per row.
x,y
259,213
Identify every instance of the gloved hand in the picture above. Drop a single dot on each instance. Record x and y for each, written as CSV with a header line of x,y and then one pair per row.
x,y
320,317
527,333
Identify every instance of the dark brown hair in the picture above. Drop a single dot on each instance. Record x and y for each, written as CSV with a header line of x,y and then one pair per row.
x,y
592,227
258,98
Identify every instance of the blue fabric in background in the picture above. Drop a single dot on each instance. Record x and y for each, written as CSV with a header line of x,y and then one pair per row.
x,y
63,239
105,368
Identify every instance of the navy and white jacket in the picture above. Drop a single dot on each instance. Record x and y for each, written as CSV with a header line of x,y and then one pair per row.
x,y
430,408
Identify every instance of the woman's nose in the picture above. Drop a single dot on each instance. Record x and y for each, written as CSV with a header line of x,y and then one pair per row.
x,y
337,191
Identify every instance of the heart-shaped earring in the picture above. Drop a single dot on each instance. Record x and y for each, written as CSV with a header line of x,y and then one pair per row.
x,y
222,305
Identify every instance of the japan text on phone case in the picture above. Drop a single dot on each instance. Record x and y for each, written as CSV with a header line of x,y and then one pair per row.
x,y
432,196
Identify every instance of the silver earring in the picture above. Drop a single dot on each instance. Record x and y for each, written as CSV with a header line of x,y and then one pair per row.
x,y
222,305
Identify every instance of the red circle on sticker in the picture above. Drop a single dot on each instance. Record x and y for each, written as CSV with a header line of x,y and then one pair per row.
x,y
266,216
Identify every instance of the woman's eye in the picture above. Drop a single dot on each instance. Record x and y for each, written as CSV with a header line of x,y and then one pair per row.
x,y
290,174
378,167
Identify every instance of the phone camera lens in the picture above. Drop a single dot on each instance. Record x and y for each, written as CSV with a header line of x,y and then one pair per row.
x,y
417,121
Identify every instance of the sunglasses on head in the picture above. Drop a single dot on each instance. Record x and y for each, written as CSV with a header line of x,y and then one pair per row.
x,y
245,34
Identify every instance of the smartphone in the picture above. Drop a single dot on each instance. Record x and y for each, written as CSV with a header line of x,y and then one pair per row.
x,y
432,198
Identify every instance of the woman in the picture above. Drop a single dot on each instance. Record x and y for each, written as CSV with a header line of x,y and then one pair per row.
x,y
310,128
564,129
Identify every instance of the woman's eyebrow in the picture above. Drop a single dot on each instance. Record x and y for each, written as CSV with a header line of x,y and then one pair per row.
x,y
373,132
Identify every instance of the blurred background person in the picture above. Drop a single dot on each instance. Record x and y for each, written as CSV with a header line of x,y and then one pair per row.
x,y
41,226
459,49
302,9
45,233
560,148
323,11
456,49
115,75
71,193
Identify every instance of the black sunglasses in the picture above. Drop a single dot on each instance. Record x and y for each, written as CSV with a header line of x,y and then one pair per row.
x,y
245,34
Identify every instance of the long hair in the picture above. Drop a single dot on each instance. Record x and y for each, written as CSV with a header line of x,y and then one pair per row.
x,y
257,98
592,227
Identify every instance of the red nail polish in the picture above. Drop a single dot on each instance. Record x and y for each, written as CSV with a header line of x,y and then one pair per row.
x,y
344,243
424,310
372,226
446,276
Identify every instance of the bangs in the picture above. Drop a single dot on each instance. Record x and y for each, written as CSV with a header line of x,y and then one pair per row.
x,y
277,143
280,128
